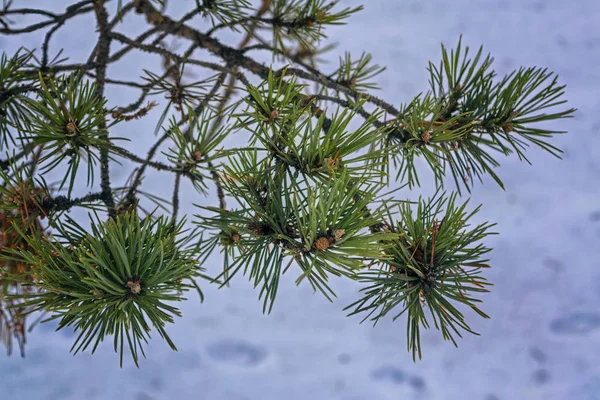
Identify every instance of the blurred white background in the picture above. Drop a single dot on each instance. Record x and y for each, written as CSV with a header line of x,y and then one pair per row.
x,y
543,339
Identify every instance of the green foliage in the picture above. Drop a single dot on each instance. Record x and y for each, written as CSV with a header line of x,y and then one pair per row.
x,y
425,134
113,280
465,115
13,89
434,263
356,74
273,104
196,149
323,152
337,212
322,229
180,95
315,221
66,120
302,21
224,11
305,192
320,149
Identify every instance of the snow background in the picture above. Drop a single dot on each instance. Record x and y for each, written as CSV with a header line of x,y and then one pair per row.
x,y
543,340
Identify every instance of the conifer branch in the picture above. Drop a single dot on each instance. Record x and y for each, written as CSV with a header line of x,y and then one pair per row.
x,y
305,194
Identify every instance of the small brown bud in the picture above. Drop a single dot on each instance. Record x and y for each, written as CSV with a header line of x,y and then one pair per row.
x,y
508,127
235,237
196,155
71,127
321,243
329,162
274,114
155,18
426,137
339,233
135,287
256,227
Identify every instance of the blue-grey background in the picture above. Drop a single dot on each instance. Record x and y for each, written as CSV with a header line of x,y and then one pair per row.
x,y
543,339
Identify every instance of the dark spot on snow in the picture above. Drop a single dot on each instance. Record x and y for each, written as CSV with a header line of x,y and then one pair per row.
x,y
504,5
234,352
388,373
575,323
143,396
9,370
518,221
344,358
37,356
541,376
415,8
492,396
511,199
553,264
62,391
537,354
92,393
417,383
185,359
156,383
561,41
589,390
591,43
539,7
507,62
595,216
206,321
